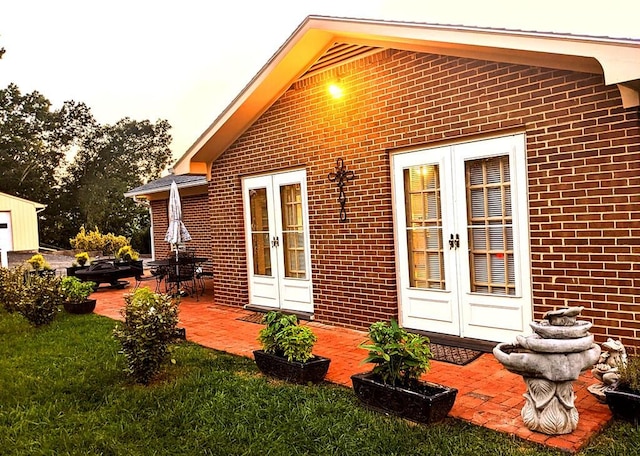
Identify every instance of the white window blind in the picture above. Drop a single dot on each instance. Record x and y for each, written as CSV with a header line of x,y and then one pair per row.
x,y
490,226
424,227
293,231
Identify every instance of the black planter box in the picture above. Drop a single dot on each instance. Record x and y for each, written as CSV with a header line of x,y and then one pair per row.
x,y
313,371
623,404
85,307
71,270
424,403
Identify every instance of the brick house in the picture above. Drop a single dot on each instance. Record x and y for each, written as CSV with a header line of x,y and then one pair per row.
x,y
488,176
193,197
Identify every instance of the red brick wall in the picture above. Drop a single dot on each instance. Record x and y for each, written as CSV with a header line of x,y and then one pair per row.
x,y
584,189
196,220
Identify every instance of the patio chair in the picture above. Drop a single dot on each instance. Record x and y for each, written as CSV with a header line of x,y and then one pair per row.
x,y
182,277
157,275
201,277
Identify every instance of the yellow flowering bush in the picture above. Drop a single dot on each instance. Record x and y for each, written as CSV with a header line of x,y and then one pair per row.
x,y
108,243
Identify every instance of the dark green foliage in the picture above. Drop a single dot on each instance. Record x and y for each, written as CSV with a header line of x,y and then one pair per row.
x,y
141,240
399,356
282,336
40,298
630,374
148,329
34,140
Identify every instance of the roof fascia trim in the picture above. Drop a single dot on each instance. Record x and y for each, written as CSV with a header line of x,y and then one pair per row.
x,y
165,188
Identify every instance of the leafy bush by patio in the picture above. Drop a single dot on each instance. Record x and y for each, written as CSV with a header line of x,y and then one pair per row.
x,y
12,286
94,241
148,329
40,298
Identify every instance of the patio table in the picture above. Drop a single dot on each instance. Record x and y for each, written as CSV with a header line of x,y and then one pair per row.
x,y
172,262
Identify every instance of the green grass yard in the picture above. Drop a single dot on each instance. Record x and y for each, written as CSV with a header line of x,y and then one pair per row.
x,y
63,391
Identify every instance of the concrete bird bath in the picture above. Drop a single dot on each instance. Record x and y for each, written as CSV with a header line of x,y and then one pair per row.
x,y
550,360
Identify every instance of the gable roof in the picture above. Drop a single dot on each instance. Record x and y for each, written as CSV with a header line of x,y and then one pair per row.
x,y
163,184
22,200
617,59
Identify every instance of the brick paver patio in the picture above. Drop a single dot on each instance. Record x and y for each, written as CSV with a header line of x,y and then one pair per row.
x,y
488,395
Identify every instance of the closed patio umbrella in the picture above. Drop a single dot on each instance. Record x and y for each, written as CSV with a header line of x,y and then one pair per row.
x,y
176,233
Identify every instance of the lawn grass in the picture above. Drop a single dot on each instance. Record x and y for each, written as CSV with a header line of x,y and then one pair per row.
x,y
63,391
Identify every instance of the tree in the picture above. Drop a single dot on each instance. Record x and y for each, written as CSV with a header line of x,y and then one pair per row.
x,y
34,140
111,160
36,143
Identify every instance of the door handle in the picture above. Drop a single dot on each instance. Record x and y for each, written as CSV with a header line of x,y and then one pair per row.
x,y
454,242
275,242
457,241
451,242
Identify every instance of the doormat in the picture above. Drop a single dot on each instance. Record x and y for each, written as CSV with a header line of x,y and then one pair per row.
x,y
439,352
453,355
253,317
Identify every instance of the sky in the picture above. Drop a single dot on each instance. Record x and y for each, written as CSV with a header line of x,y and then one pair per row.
x,y
186,60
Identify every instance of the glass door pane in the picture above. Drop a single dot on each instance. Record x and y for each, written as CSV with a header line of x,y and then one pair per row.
x,y
293,231
424,227
260,232
490,226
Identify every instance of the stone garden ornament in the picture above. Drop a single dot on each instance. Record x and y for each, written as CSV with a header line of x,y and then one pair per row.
x,y
607,369
550,360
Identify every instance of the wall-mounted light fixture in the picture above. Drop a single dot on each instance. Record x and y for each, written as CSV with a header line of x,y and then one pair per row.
x,y
335,89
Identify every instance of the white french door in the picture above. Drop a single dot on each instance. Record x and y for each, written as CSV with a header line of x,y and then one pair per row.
x,y
461,230
277,239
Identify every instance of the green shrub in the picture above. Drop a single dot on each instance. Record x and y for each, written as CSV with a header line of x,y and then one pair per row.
x,y
88,242
400,357
75,290
113,243
40,299
12,287
283,337
149,327
94,241
630,374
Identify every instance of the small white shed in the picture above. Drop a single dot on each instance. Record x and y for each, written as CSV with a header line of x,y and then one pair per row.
x,y
18,223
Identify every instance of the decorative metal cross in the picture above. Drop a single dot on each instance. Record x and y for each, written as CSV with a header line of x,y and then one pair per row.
x,y
341,175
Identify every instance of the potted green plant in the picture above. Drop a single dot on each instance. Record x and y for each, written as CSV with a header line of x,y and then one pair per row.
x,y
76,295
287,350
623,397
394,385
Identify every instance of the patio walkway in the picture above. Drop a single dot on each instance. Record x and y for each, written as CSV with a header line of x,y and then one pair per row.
x,y
488,395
